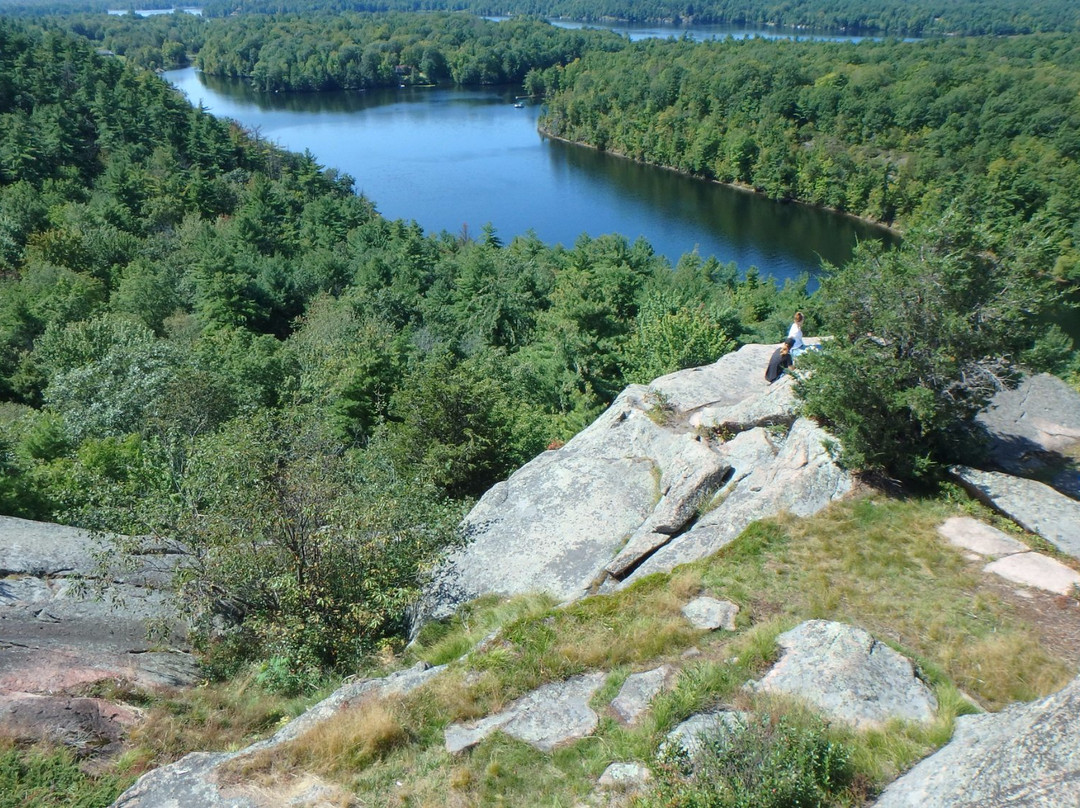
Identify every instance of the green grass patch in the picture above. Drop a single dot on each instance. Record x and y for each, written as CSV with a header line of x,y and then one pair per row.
x,y
42,777
873,562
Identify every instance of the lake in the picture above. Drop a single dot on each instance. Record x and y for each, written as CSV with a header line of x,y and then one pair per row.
x,y
456,159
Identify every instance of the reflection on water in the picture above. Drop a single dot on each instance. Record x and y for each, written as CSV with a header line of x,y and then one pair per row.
x,y
450,158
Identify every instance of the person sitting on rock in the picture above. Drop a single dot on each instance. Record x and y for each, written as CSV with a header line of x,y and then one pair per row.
x,y
780,360
795,335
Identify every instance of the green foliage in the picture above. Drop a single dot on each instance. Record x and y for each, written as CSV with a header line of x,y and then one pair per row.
x,y
923,337
892,131
311,551
42,778
671,336
771,762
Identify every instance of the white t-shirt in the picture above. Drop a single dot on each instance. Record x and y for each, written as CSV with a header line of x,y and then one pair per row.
x,y
795,333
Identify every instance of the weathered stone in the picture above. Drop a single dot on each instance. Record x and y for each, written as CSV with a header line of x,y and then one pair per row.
x,y
1037,570
848,675
691,737
193,781
554,524
1036,507
57,635
638,691
459,737
800,477
551,715
190,782
733,378
1031,426
84,724
979,537
687,482
626,776
1026,755
710,614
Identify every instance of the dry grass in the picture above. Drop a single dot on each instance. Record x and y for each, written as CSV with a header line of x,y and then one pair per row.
x,y
874,562
224,716
880,564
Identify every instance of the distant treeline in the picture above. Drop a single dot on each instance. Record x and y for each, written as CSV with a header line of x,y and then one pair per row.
x,y
356,51
885,17
887,130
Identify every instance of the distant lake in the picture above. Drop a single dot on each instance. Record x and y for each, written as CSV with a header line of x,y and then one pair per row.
x,y
457,159
153,12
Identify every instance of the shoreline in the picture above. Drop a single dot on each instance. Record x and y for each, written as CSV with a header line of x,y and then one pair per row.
x,y
738,186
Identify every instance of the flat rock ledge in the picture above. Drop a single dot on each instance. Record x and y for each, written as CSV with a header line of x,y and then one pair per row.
x,y
1036,507
194,780
551,715
1033,426
1010,559
1026,755
638,691
848,675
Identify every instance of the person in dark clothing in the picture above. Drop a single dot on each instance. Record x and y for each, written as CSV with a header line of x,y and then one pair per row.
x,y
780,360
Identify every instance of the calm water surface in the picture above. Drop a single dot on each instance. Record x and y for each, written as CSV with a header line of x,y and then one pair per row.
x,y
457,159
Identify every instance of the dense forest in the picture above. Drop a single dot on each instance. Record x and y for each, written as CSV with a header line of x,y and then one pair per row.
x,y
886,17
886,130
203,337
209,340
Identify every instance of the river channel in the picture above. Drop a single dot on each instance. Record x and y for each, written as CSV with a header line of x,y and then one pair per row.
x,y
457,159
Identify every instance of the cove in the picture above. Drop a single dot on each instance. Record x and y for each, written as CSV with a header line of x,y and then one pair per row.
x,y
457,159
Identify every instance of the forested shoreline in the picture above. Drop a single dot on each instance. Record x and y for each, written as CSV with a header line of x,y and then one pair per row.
x,y
885,17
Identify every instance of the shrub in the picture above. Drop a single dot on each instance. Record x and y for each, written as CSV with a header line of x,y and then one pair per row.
x,y
772,762
922,337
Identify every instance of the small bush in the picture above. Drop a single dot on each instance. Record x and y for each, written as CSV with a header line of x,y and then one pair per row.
x,y
774,762
42,778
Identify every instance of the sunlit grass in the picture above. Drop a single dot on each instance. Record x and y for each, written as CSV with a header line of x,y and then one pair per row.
x,y
873,562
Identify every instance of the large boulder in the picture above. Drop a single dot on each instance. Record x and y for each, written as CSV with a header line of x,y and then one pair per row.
x,y
1034,426
635,483
848,675
1026,755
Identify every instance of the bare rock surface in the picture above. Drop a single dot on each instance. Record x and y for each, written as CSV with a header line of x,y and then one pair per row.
x,y
551,715
1026,755
1034,506
621,499
638,691
710,614
847,674
195,781
1034,425
775,474
83,724
979,537
62,628
1037,570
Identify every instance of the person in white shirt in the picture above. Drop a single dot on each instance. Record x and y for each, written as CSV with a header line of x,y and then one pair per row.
x,y
795,333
